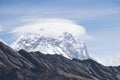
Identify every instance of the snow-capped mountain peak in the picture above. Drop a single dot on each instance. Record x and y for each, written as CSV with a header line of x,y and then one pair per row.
x,y
65,44
53,36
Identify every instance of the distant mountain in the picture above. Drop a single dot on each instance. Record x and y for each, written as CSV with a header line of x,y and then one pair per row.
x,y
66,44
23,65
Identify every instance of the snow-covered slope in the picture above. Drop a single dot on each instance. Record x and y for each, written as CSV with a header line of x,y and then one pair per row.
x,y
64,44
53,36
3,41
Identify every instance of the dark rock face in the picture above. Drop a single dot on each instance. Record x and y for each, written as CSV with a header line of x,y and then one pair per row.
x,y
24,65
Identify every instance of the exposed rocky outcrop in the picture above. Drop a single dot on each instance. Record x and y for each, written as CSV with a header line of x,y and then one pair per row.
x,y
23,65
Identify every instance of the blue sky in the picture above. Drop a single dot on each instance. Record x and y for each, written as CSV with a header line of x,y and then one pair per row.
x,y
101,19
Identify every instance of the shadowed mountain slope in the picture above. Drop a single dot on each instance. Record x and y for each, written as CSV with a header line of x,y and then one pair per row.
x,y
23,65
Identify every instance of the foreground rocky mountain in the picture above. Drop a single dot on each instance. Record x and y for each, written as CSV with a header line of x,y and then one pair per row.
x,y
24,65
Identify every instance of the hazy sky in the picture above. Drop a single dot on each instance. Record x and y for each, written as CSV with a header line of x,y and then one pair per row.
x,y
100,18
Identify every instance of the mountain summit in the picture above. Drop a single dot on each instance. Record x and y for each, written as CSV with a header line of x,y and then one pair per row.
x,y
53,37
65,44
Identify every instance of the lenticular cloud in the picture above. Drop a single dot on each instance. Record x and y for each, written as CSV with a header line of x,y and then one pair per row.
x,y
52,27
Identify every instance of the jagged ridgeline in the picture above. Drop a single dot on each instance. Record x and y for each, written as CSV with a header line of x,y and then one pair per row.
x,y
23,65
65,44
55,37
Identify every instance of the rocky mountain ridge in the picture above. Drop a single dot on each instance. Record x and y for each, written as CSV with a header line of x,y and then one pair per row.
x,y
23,65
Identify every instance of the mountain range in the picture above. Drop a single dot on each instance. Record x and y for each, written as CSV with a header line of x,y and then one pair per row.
x,y
23,65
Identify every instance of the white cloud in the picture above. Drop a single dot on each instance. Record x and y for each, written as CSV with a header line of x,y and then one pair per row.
x,y
108,60
52,26
63,12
